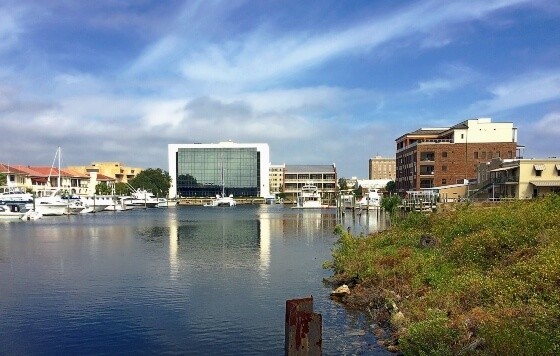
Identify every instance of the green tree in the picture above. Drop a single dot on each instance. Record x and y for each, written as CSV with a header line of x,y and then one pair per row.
x,y
155,180
282,194
391,203
391,187
102,189
3,179
342,184
358,192
122,189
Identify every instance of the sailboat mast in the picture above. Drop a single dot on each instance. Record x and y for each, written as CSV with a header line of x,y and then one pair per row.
x,y
59,153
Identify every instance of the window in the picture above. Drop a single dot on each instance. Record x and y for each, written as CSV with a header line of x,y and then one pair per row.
x,y
484,155
444,154
443,181
538,173
476,155
444,168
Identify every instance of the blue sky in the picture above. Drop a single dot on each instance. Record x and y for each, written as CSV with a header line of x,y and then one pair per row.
x,y
320,81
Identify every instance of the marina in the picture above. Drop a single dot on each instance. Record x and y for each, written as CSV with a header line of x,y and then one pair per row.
x,y
187,280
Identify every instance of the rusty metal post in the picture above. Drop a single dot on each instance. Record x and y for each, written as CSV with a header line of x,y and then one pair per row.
x,y
304,329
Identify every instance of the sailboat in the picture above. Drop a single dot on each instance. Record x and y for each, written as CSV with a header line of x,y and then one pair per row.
x,y
222,200
50,202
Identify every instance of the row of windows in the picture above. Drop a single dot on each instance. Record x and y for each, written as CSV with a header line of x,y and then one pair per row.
x,y
206,171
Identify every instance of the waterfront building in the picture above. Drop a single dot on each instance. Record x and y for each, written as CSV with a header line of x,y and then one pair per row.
x,y
276,178
205,170
382,168
371,184
38,178
321,176
517,178
431,157
116,170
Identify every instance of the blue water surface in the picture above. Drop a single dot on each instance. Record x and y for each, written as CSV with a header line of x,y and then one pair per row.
x,y
184,280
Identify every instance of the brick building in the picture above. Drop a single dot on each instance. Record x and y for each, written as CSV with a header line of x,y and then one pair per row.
x,y
431,157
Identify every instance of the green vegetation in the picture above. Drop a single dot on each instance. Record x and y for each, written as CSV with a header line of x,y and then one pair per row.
x,y
476,280
155,180
3,179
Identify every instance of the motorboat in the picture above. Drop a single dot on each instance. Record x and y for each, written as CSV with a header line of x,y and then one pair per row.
x,y
17,211
372,200
309,198
50,203
222,201
9,194
142,198
166,203
96,203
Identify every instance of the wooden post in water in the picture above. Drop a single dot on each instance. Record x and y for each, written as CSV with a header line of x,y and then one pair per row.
x,y
304,329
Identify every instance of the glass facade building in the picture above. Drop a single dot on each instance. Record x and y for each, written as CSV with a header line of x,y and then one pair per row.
x,y
205,170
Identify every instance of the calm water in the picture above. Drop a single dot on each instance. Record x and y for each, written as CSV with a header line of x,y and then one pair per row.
x,y
185,280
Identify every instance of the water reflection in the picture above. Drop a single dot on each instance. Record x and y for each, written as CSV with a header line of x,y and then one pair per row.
x,y
184,281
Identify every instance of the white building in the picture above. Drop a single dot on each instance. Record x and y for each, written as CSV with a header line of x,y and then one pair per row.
x,y
204,170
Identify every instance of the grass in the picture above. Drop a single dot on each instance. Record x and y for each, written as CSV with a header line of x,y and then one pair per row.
x,y
488,282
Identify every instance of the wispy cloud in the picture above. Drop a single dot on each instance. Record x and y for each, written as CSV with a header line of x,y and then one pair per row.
x,y
263,56
548,125
10,27
525,90
453,77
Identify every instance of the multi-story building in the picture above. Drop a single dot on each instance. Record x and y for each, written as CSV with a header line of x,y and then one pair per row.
x,y
382,168
431,157
276,178
322,176
205,170
116,170
518,178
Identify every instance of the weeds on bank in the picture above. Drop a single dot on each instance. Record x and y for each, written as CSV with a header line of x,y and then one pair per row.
x,y
476,280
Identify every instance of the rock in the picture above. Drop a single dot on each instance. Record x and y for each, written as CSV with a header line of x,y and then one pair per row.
x,y
341,291
427,241
392,348
398,320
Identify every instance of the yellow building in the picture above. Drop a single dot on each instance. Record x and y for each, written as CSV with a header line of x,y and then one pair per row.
x,y
519,178
116,170
382,168
276,178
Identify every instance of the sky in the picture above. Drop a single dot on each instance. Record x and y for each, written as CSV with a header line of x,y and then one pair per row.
x,y
320,81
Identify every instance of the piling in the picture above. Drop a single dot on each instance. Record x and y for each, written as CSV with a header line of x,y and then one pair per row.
x,y
304,328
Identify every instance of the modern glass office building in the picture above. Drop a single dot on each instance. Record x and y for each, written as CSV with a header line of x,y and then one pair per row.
x,y
204,170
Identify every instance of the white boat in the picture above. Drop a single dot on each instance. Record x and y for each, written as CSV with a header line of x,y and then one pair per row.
x,y
12,211
222,201
50,203
347,201
10,194
142,198
309,198
372,200
166,203
97,203
119,204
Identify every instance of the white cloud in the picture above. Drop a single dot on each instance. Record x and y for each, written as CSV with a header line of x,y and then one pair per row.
x,y
452,78
264,56
525,90
10,28
548,125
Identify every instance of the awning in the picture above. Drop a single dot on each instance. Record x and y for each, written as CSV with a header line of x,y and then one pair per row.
x,y
546,183
539,167
39,180
503,169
